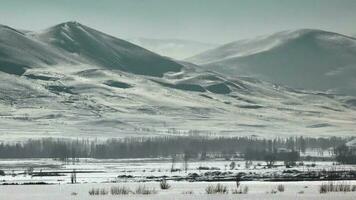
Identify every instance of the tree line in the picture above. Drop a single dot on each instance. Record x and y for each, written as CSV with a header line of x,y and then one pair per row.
x,y
146,147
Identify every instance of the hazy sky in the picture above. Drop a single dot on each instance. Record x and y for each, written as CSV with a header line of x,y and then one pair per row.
x,y
215,21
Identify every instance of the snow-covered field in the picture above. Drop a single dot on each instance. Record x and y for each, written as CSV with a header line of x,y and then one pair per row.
x,y
104,174
257,191
117,170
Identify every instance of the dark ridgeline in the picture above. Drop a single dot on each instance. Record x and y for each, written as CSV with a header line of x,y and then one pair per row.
x,y
149,147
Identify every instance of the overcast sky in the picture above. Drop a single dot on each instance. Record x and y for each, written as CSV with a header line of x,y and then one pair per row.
x,y
216,21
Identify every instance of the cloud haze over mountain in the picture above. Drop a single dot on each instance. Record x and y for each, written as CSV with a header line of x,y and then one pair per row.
x,y
174,48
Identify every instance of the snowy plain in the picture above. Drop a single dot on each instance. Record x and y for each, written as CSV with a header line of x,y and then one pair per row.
x,y
109,170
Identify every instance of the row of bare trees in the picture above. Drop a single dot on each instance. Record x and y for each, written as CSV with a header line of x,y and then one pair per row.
x,y
189,146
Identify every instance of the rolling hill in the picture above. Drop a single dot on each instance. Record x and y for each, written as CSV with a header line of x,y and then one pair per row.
x,y
73,81
307,58
72,43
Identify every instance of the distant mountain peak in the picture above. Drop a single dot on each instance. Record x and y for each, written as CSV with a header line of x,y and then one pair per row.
x,y
71,43
70,24
303,58
65,27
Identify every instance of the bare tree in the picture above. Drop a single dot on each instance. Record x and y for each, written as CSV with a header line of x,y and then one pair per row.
x,y
186,158
174,158
73,177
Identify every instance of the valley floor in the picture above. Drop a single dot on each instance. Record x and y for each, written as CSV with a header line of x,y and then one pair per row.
x,y
17,184
257,191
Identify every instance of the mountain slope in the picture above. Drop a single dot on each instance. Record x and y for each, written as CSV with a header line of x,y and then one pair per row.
x,y
309,59
74,83
19,51
72,43
174,48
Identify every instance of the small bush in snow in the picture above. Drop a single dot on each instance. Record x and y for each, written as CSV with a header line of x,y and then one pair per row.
x,y
242,190
164,185
142,189
245,190
280,188
336,187
353,188
120,190
94,191
216,189
103,191
98,191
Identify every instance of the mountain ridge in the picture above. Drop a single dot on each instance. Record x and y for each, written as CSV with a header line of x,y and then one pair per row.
x,y
62,92
307,58
79,44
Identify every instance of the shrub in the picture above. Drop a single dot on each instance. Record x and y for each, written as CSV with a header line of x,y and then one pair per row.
x,y
94,191
237,182
103,191
336,187
323,188
353,188
242,190
120,190
245,190
217,189
142,189
98,191
164,185
280,188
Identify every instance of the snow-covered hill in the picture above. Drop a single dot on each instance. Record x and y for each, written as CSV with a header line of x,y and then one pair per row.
x,y
75,81
19,51
309,59
72,43
174,48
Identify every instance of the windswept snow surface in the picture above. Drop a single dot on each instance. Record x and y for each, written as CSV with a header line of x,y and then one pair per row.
x,y
76,81
306,58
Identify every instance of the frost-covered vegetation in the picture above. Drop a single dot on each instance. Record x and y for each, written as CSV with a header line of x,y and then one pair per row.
x,y
164,185
123,190
337,187
217,189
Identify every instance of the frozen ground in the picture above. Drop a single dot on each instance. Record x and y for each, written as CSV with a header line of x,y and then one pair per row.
x,y
257,191
117,170
105,174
